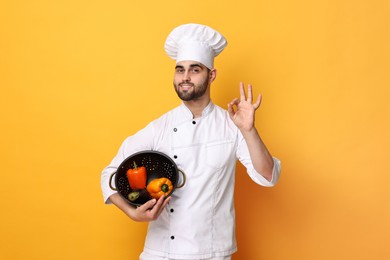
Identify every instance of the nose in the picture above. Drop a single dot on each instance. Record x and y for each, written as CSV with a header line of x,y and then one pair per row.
x,y
186,77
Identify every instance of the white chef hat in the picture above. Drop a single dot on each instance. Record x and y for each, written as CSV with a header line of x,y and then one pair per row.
x,y
195,42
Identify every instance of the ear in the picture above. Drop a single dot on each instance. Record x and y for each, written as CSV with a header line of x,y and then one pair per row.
x,y
212,75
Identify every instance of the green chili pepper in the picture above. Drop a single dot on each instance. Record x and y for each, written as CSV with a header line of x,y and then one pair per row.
x,y
133,195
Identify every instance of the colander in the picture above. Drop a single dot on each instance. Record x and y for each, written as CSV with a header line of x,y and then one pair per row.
x,y
157,164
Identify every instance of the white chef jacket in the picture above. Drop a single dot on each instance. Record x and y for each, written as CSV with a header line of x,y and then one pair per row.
x,y
199,221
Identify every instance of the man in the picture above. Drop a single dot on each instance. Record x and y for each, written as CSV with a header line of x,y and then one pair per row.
x,y
204,140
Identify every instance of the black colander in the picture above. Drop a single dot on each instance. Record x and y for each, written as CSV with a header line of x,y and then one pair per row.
x,y
157,164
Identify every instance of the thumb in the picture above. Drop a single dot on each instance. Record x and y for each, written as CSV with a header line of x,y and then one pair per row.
x,y
231,111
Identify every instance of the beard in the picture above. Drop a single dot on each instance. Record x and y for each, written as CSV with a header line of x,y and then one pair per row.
x,y
195,92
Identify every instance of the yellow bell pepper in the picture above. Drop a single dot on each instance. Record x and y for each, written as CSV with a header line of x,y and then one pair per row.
x,y
159,187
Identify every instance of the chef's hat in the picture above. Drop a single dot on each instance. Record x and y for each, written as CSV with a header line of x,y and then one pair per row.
x,y
195,42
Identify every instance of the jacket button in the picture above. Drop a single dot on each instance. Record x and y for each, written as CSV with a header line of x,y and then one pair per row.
x,y
172,237
194,122
175,156
175,129
172,210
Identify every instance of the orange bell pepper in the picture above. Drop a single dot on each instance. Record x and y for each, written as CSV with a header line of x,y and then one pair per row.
x,y
159,187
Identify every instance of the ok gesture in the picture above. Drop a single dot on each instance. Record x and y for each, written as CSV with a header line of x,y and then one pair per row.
x,y
242,111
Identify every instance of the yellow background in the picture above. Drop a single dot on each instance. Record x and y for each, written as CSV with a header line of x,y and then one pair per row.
x,y
77,77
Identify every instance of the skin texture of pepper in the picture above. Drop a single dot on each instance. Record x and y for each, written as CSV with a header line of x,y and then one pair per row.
x,y
159,187
137,177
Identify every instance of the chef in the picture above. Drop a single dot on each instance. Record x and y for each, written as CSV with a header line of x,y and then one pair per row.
x,y
205,141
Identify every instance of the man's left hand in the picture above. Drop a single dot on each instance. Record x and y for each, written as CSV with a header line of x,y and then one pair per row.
x,y
242,111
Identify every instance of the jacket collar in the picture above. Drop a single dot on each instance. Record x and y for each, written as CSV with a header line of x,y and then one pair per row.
x,y
206,111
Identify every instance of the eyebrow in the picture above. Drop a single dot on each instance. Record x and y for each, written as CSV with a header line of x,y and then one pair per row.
x,y
191,66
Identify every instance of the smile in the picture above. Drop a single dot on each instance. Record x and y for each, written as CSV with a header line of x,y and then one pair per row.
x,y
186,86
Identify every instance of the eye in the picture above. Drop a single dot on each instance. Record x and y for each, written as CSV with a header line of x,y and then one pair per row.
x,y
195,70
179,70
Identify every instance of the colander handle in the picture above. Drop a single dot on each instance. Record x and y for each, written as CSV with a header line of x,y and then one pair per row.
x,y
112,175
184,179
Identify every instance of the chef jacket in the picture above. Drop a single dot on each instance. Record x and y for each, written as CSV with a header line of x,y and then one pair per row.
x,y
199,221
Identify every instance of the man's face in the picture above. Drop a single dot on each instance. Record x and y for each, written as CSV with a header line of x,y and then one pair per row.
x,y
192,80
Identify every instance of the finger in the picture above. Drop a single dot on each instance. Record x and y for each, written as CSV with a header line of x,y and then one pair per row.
x,y
159,204
234,102
258,102
250,97
242,92
157,207
155,211
230,110
147,205
166,201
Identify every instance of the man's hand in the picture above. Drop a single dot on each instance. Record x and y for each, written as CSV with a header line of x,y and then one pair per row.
x,y
144,213
244,118
243,114
150,210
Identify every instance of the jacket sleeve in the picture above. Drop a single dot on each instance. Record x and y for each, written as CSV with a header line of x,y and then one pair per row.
x,y
142,140
244,157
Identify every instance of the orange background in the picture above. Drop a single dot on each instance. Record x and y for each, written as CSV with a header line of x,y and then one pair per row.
x,y
77,77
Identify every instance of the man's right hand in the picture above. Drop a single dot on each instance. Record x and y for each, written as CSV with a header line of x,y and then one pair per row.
x,y
149,211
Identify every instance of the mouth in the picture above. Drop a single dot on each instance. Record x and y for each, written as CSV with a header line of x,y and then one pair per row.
x,y
185,86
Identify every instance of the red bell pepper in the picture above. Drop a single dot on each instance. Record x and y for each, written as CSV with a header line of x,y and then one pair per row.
x,y
137,177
